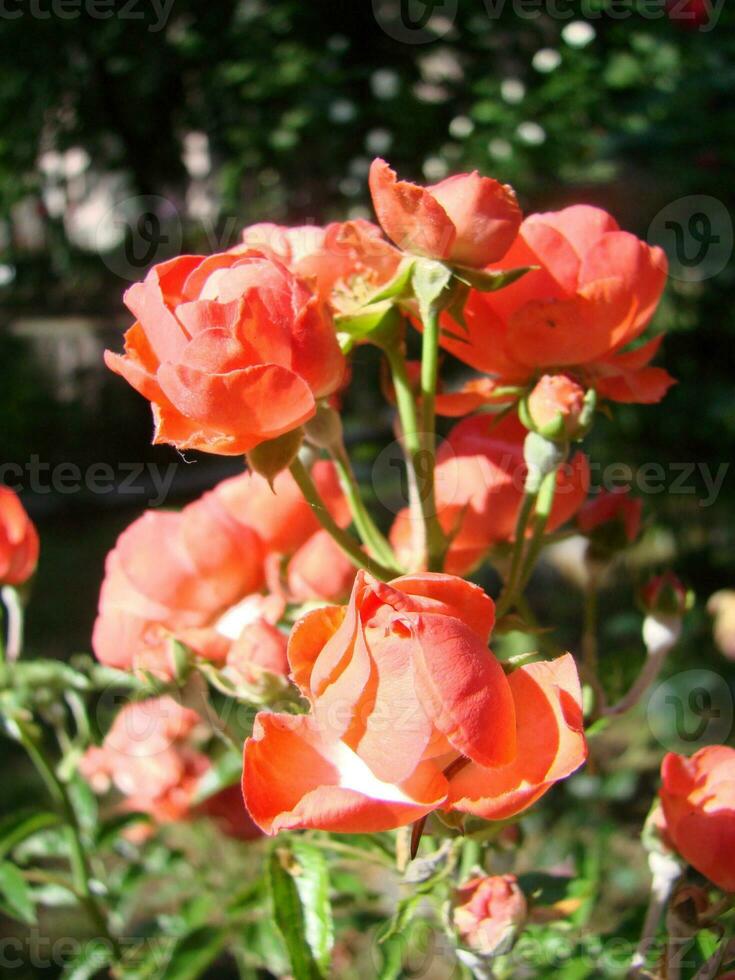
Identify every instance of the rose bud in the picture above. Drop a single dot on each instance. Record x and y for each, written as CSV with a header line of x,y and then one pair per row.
x,y
698,800
489,912
465,220
18,540
665,601
231,350
558,408
611,520
319,570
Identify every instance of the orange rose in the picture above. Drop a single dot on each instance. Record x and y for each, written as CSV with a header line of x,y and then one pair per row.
x,y
698,800
149,756
344,262
479,476
466,219
232,350
174,574
410,712
18,540
488,912
595,291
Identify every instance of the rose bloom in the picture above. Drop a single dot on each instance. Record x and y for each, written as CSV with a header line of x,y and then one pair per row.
x,y
343,262
149,755
231,350
488,912
698,800
595,292
465,220
173,574
409,712
319,570
18,540
195,575
479,476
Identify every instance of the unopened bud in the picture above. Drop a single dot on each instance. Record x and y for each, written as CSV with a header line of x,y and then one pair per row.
x,y
559,408
489,912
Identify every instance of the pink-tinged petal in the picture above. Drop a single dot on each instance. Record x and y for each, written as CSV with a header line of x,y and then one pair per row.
x,y
550,739
581,225
317,356
150,305
295,777
206,314
320,570
138,365
390,712
641,269
485,215
309,636
451,596
409,215
463,689
559,261
644,387
261,402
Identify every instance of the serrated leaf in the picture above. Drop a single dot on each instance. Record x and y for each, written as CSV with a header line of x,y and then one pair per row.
x,y
289,916
19,826
16,894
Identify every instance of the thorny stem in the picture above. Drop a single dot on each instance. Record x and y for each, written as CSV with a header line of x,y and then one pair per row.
x,y
345,541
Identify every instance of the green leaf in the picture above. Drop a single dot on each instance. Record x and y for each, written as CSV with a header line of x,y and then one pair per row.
x,y
488,281
85,804
110,830
39,674
192,953
19,826
16,894
289,914
312,883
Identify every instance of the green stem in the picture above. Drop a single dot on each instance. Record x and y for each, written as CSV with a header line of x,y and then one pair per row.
x,y
509,594
345,541
417,457
590,669
435,544
544,503
80,867
370,534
